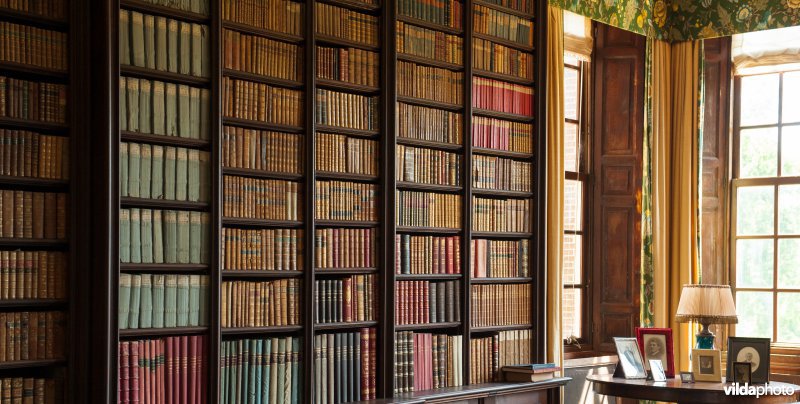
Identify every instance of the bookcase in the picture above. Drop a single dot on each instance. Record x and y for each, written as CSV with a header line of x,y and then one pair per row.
x,y
340,198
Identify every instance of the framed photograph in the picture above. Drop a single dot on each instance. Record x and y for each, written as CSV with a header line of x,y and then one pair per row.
x,y
687,377
741,373
657,370
656,343
752,350
630,359
706,365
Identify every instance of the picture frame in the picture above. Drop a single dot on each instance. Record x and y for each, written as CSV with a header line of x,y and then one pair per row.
x,y
706,365
742,373
687,377
656,343
630,359
657,370
753,350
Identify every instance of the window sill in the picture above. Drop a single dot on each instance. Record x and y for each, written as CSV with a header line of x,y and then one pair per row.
x,y
588,359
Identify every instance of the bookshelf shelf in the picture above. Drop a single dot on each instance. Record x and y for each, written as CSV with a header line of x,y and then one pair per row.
x,y
24,243
134,333
344,271
428,187
501,153
127,201
32,182
506,10
501,192
500,280
249,172
427,230
504,42
28,124
328,175
325,39
165,268
429,62
502,115
425,277
145,7
273,81
345,223
500,235
345,86
427,326
347,131
35,73
151,74
344,326
429,103
33,303
429,25
504,77
247,123
353,5
164,140
260,223
429,144
496,328
21,17
261,274
241,331
280,36
36,363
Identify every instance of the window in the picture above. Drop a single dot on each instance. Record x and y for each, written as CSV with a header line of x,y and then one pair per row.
x,y
765,250
574,300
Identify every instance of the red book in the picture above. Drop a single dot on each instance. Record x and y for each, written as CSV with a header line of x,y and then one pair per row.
x,y
134,372
450,266
193,369
184,370
169,358
349,298
203,386
364,342
124,387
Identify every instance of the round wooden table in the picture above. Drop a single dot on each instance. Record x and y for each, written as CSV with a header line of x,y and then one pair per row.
x,y
673,390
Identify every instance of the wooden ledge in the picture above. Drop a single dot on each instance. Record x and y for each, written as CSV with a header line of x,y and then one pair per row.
x,y
470,392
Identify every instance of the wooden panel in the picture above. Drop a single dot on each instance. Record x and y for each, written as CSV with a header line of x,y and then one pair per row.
x,y
535,397
618,115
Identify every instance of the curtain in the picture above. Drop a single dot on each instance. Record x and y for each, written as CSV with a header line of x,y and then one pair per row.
x,y
554,182
578,41
766,51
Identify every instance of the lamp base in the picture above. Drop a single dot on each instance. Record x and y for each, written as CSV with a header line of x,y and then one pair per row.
x,y
704,338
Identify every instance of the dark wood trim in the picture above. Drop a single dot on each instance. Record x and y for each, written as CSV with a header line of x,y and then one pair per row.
x,y
251,124
33,72
538,259
33,303
430,25
330,175
10,181
127,201
40,126
508,10
344,326
257,78
329,40
405,57
505,42
344,271
426,277
26,243
163,11
152,74
165,268
427,326
347,87
503,77
428,187
250,331
427,230
430,103
21,17
33,363
501,153
136,333
354,5
259,223
247,274
310,189
164,140
346,131
347,223
502,192
429,144
501,235
503,115
249,172
501,328
501,280
247,29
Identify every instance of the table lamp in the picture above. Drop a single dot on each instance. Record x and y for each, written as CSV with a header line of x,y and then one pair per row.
x,y
706,304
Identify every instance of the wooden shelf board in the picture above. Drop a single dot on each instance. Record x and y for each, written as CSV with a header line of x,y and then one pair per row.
x,y
427,230
500,235
261,223
328,175
428,187
249,29
501,153
160,332
28,124
152,74
273,81
165,268
28,243
33,363
506,10
164,140
346,223
405,57
429,144
429,25
501,192
249,172
505,42
502,115
431,104
504,77
32,182
325,39
344,326
162,11
347,87
427,326
278,329
347,131
500,280
422,277
35,73
344,271
32,303
33,19
501,328
354,5
127,201
247,123
260,274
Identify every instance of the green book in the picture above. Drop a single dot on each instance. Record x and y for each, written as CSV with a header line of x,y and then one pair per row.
x,y
133,104
205,57
145,106
123,169
158,301
137,39
235,382
318,368
331,367
223,372
146,312
161,43
172,110
170,301
256,347
146,166
123,103
136,294
181,173
296,371
170,156
194,112
194,300
158,237
266,372
204,176
194,175
134,169
136,238
157,188
150,41
124,301
244,365
276,393
195,237
124,37
197,50
184,114
147,236
202,307
159,108
205,238
124,235
185,48
182,308
172,45
171,236
205,113
183,237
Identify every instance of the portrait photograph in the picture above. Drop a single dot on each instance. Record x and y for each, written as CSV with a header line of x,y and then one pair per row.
x,y
754,351
656,343
706,365
741,372
630,358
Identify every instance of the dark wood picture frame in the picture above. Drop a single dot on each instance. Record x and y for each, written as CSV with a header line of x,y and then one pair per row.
x,y
743,376
668,359
747,345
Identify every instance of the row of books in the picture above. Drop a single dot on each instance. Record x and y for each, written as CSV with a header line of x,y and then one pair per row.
x,y
427,254
500,258
428,43
501,96
169,370
339,200
262,56
345,366
260,304
345,248
164,44
429,124
194,6
162,301
274,15
490,354
428,209
29,45
430,83
35,389
496,23
352,298
264,370
526,6
425,302
351,65
425,361
261,102
491,172
30,154
56,9
164,172
262,249
347,110
448,13
493,133
168,109
262,150
255,198
37,215
31,100
427,166
344,154
497,58
33,275
345,24
32,335
501,215
163,236
506,304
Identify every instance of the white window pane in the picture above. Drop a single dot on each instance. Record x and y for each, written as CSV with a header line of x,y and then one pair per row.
x,y
573,205
758,153
754,210
789,209
571,59
759,100
571,147
791,97
755,314
790,145
788,320
754,267
571,313
572,257
789,263
571,81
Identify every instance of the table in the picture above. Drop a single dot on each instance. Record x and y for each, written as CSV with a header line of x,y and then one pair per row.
x,y
673,390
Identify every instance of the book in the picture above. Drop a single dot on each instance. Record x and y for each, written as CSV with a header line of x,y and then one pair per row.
x,y
34,101
158,108
430,83
428,166
350,201
345,248
347,110
500,173
348,299
429,124
501,215
502,96
499,258
260,304
249,53
346,24
350,65
426,361
428,209
261,198
493,353
427,254
447,13
163,237
344,154
496,58
499,24
430,44
347,366
275,15
34,46
426,302
32,335
500,304
253,101
262,249
493,133
33,215
34,155
262,150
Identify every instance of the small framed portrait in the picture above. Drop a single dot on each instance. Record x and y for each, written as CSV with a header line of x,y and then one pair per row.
x,y
752,350
630,359
687,377
706,365
741,373
656,343
657,370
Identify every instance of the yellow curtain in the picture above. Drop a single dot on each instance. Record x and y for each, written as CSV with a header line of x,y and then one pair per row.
x,y
675,164
555,181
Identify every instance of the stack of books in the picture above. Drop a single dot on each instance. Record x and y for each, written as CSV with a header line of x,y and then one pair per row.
x,y
535,372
